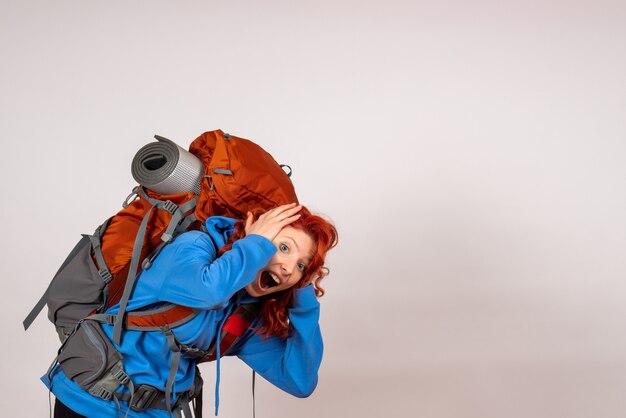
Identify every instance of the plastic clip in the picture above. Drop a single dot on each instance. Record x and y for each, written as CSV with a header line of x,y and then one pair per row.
x,y
142,398
106,275
169,206
121,376
101,392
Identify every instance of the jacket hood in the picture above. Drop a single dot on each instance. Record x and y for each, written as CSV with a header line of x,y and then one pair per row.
x,y
219,229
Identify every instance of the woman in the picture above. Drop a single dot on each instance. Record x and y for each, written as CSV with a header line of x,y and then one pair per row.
x,y
275,259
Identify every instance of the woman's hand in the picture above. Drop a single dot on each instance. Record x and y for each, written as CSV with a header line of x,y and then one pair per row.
x,y
271,222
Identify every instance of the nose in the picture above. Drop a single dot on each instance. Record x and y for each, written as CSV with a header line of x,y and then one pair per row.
x,y
287,267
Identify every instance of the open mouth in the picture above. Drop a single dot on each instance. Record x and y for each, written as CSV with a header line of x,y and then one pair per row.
x,y
268,280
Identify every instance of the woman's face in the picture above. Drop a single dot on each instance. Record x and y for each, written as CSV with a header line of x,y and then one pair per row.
x,y
286,267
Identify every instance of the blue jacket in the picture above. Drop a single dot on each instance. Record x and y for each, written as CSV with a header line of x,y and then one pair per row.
x,y
188,272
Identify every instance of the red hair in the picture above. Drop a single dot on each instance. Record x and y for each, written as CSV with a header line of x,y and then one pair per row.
x,y
274,306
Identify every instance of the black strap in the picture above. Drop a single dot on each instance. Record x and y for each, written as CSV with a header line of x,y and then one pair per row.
x,y
197,405
253,398
148,397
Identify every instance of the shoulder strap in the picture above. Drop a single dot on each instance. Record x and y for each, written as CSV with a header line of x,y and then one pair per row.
x,y
177,215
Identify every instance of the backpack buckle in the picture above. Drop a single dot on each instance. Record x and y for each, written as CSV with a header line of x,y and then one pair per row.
x,y
143,397
101,392
120,375
169,206
106,275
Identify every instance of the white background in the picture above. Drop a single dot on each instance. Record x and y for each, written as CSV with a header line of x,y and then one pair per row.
x,y
472,155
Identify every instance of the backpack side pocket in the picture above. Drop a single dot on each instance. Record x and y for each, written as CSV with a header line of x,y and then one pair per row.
x,y
76,290
88,355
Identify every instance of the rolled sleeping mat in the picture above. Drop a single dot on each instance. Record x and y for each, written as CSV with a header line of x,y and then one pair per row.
x,y
166,168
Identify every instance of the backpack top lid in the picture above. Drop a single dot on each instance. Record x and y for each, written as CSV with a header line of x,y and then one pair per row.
x,y
239,176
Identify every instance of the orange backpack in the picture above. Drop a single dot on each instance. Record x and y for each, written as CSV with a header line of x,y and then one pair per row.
x,y
101,270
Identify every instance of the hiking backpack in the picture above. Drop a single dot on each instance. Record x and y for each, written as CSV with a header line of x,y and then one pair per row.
x,y
235,176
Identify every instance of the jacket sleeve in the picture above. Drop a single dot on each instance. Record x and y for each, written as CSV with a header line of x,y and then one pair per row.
x,y
291,364
190,274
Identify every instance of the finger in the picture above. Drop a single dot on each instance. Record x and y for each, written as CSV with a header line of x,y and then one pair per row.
x,y
280,209
293,210
290,213
289,220
287,212
248,221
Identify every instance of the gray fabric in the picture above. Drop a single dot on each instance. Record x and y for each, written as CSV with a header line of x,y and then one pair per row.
x,y
87,355
75,291
108,384
44,298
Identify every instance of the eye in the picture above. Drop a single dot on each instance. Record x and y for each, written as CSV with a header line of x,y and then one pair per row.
x,y
284,248
301,266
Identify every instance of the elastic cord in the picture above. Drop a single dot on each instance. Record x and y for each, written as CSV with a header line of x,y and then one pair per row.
x,y
217,359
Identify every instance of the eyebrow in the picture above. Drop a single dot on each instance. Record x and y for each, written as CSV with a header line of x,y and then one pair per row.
x,y
294,241
308,260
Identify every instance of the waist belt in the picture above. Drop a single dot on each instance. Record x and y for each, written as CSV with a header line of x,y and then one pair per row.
x,y
144,397
148,397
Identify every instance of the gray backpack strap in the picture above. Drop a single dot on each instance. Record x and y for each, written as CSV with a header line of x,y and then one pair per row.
x,y
177,216
132,275
173,344
103,269
96,246
187,220
36,310
44,298
177,212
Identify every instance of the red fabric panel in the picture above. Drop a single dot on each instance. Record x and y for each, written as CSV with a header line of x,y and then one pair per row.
x,y
236,325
